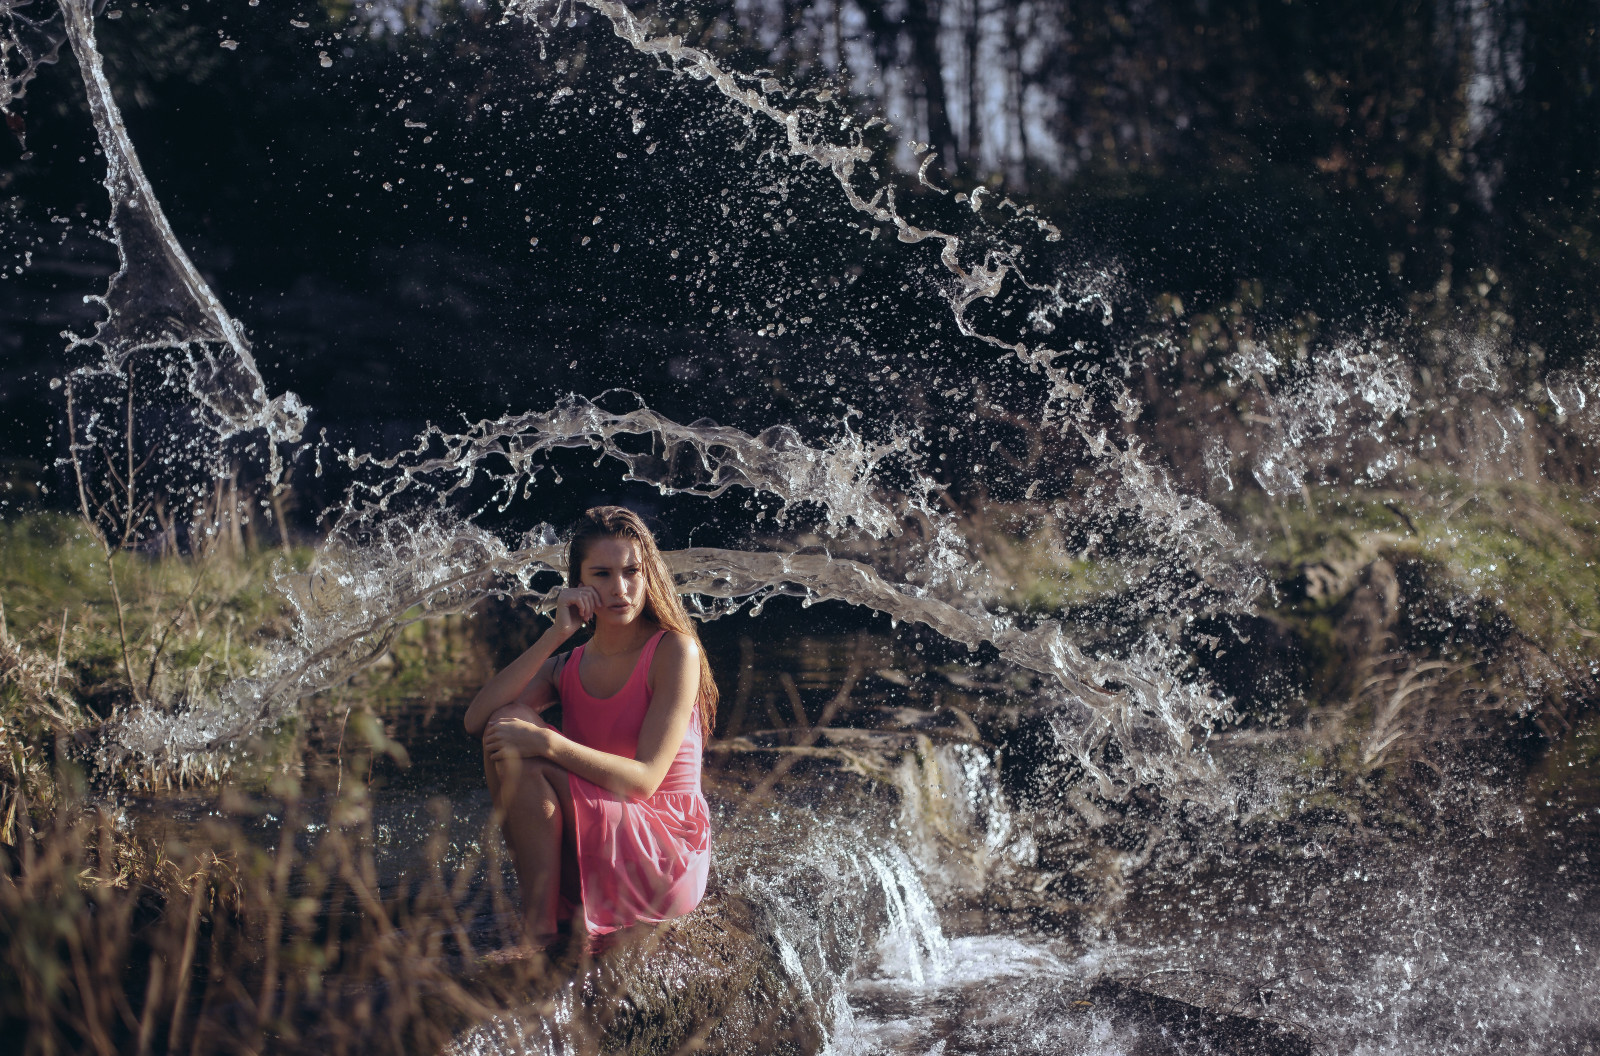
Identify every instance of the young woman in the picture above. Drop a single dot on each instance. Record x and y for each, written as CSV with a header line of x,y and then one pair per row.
x,y
605,817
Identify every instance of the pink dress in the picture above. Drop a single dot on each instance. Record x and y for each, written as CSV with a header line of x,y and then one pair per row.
x,y
639,860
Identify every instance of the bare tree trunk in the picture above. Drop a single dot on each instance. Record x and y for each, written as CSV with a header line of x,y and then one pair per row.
x,y
922,29
787,53
885,34
972,38
1018,89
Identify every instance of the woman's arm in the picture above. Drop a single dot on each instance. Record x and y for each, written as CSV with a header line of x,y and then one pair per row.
x,y
676,673
530,677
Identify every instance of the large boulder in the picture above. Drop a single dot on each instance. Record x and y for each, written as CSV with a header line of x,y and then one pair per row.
x,y
711,982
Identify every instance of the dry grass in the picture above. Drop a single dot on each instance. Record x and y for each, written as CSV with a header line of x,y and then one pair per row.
x,y
224,943
116,948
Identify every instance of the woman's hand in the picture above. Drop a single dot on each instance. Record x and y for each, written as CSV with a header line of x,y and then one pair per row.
x,y
575,606
518,736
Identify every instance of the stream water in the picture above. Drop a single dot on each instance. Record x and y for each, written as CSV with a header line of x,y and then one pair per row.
x,y
1020,831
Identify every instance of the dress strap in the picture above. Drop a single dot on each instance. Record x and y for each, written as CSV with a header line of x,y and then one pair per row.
x,y
569,670
647,656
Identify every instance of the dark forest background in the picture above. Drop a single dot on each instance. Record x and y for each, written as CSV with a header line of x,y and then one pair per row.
x,y
1307,165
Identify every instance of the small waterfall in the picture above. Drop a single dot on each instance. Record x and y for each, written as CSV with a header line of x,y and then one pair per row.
x,y
912,945
839,908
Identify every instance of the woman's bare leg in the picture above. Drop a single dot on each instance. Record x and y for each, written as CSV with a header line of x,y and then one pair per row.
x,y
534,801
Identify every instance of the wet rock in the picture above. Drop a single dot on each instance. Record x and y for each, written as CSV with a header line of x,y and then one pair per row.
x,y
1166,1025
714,982
711,982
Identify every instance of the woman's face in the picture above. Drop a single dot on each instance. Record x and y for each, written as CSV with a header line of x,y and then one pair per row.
x,y
615,568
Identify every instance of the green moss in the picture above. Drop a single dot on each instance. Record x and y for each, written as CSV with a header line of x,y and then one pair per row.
x,y
1530,549
184,622
1032,568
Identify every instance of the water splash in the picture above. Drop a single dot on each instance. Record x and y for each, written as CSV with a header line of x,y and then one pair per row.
x,y
1315,409
31,35
157,299
406,547
381,570
838,908
842,480
365,589
979,268
346,611
913,944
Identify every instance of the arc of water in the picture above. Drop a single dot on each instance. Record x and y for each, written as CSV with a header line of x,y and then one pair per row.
x,y
973,283
449,570
776,462
25,45
188,315
1125,700
157,298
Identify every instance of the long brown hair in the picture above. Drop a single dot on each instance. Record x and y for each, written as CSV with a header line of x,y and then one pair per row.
x,y
661,601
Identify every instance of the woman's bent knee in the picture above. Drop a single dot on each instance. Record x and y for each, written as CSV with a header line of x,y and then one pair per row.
x,y
541,789
554,776
550,771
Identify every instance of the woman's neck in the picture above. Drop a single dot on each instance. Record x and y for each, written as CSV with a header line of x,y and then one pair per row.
x,y
613,638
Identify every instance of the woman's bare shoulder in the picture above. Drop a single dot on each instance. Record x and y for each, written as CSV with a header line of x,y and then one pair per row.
x,y
678,646
676,653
